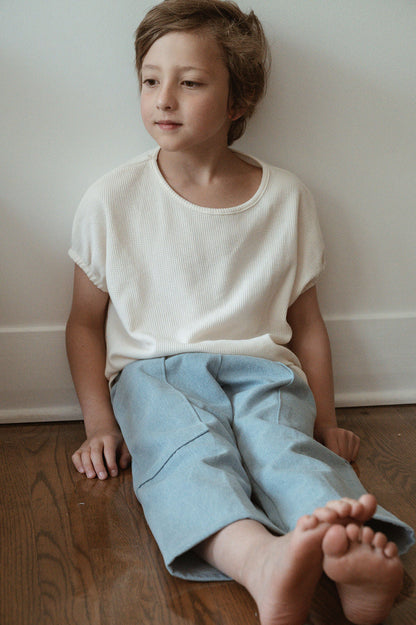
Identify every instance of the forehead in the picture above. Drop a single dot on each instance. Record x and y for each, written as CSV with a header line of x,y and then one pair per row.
x,y
198,49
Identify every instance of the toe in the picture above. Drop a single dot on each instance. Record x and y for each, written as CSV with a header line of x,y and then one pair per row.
x,y
307,522
370,504
326,515
390,550
367,535
335,542
379,540
342,507
354,532
363,508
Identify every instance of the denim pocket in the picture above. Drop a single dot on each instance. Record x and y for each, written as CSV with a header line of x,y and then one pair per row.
x,y
297,408
155,418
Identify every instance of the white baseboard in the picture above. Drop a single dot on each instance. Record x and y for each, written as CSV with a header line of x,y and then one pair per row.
x,y
35,382
374,364
374,359
41,414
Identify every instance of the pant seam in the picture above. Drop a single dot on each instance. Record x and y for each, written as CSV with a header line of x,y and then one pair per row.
x,y
149,479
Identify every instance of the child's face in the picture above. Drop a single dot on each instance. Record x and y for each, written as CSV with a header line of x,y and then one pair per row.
x,y
185,89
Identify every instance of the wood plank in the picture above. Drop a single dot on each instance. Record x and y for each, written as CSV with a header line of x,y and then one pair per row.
x,y
79,552
19,587
387,464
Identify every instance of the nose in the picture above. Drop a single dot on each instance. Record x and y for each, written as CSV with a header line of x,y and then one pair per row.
x,y
166,99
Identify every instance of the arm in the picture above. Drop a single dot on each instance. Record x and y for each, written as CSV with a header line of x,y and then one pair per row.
x,y
85,340
310,343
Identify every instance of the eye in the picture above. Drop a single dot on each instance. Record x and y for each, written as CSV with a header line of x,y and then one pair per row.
x,y
149,82
191,84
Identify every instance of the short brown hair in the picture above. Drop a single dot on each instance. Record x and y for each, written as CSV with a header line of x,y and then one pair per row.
x,y
239,35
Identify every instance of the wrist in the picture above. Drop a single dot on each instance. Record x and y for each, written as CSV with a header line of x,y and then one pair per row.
x,y
321,427
103,420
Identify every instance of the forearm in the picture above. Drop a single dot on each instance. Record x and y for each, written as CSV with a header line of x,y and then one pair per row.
x,y
314,353
310,343
87,354
104,449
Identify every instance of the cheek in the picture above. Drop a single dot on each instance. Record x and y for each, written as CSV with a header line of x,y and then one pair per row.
x,y
145,110
143,107
214,110
145,102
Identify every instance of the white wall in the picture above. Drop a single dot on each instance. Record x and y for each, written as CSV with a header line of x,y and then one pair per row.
x,y
340,112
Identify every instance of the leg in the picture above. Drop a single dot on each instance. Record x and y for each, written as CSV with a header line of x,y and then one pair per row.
x,y
291,473
187,469
366,569
280,572
185,461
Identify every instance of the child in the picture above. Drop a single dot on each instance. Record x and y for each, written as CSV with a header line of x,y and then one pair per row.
x,y
195,327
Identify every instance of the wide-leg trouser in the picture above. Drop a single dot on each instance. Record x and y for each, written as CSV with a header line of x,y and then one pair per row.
x,y
215,439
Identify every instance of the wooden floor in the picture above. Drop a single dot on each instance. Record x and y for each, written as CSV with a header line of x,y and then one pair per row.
x,y
78,552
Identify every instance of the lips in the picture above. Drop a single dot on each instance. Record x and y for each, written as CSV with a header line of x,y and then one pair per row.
x,y
167,124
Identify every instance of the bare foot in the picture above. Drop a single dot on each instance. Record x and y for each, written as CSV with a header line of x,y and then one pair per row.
x,y
285,572
282,572
366,569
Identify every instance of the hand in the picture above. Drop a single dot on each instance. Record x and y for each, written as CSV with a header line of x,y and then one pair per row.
x,y
343,442
102,454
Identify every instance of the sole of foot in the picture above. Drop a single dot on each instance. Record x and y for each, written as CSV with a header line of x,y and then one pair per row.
x,y
367,570
290,572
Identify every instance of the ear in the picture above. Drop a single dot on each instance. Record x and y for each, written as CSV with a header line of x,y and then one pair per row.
x,y
234,113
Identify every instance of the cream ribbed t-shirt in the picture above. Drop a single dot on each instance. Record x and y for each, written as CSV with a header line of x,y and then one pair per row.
x,y
184,278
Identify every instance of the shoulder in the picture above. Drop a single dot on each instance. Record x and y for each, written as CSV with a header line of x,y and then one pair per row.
x,y
288,200
278,180
117,183
287,182
116,191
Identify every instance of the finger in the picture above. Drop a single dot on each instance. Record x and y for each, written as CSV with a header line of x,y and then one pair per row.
x,y
336,448
110,459
87,461
333,444
99,462
351,450
125,457
77,462
356,448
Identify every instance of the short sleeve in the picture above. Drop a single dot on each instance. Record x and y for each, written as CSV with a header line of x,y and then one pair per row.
x,y
310,256
89,239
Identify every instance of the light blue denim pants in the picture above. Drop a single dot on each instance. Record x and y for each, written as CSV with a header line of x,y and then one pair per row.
x,y
215,439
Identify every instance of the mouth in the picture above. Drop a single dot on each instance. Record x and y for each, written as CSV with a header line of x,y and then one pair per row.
x,y
167,124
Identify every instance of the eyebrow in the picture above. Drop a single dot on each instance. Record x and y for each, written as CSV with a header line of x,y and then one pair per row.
x,y
184,68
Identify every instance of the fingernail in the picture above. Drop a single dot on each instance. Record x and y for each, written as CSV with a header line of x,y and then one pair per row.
x,y
114,473
102,475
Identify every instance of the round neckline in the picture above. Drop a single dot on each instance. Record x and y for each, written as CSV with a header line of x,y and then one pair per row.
x,y
217,211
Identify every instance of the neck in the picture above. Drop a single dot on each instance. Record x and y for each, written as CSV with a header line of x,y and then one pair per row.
x,y
220,180
198,168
